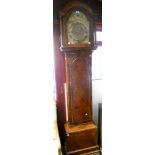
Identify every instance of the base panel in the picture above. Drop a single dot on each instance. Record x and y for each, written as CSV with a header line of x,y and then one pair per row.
x,y
81,139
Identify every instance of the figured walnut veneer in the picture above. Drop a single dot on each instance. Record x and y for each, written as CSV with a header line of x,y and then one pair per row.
x,y
78,80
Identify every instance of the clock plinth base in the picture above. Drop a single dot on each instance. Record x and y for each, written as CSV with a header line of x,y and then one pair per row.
x,y
81,139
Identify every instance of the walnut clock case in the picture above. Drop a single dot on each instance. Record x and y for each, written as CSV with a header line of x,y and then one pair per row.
x,y
77,42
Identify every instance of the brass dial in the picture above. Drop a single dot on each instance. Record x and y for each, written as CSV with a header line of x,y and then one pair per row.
x,y
78,28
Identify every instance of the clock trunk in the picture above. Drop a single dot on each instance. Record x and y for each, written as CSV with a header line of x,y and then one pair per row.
x,y
78,81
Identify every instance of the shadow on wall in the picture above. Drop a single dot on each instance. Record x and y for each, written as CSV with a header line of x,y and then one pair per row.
x,y
96,98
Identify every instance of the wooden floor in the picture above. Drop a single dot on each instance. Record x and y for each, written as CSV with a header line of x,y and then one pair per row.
x,y
96,154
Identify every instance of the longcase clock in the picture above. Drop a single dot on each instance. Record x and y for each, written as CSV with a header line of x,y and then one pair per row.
x,y
77,42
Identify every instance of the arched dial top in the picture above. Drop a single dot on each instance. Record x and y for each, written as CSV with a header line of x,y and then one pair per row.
x,y
78,28
77,23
